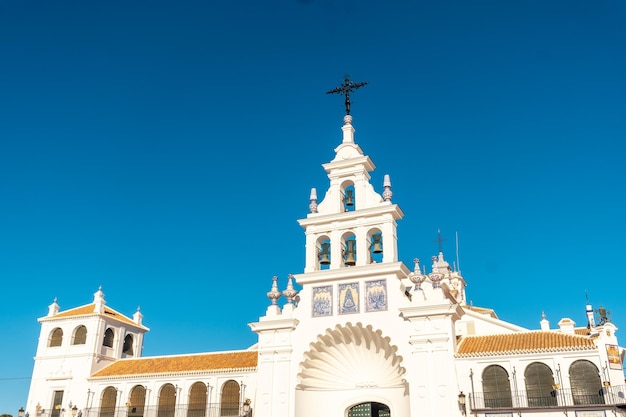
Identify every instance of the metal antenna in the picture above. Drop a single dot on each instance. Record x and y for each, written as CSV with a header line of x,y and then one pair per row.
x,y
346,88
439,240
458,262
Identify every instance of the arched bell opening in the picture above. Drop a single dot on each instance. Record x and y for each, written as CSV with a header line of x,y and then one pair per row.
x,y
349,250
323,253
348,196
375,246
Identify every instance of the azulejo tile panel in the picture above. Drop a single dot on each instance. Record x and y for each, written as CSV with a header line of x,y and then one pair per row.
x,y
376,295
348,298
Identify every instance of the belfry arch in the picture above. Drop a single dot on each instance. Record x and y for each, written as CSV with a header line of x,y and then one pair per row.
x,y
348,366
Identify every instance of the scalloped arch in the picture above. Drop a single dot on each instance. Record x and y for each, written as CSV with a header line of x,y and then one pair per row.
x,y
351,356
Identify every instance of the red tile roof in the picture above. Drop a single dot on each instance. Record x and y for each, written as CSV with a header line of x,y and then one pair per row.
x,y
527,342
181,363
89,310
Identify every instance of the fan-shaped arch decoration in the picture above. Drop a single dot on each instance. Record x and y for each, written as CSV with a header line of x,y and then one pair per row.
x,y
349,357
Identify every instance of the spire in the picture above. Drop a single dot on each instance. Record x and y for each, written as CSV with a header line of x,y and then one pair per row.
x,y
347,129
98,301
440,265
544,323
138,317
53,308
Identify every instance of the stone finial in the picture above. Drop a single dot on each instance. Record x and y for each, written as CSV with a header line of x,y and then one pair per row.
x,y
98,301
387,194
290,292
53,308
440,265
313,201
138,317
416,276
274,294
544,323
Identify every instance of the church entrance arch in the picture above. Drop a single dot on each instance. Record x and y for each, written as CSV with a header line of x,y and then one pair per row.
x,y
372,409
352,371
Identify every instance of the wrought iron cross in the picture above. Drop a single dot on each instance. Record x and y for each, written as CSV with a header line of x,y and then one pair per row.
x,y
346,88
439,240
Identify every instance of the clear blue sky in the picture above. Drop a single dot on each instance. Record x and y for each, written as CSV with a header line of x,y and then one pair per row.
x,y
165,150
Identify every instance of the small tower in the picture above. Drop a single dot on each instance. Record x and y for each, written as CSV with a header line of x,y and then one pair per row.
x,y
75,343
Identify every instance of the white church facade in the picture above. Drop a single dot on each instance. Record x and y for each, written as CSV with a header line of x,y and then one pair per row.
x,y
366,336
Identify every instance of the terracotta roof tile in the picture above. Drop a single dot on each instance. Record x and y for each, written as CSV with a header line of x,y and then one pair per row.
x,y
583,331
89,310
180,363
522,343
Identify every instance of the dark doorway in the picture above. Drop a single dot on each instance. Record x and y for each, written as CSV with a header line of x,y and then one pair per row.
x,y
369,410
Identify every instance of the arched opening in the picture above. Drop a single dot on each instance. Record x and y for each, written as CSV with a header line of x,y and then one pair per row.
x,y
352,359
108,338
80,336
56,337
108,402
586,384
137,401
128,345
349,197
197,400
371,409
349,250
323,253
375,246
167,401
230,399
539,385
496,387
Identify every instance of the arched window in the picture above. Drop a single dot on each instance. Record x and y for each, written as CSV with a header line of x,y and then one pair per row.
x,y
167,401
80,336
496,387
230,399
197,400
108,338
586,384
137,401
539,385
56,337
128,345
108,402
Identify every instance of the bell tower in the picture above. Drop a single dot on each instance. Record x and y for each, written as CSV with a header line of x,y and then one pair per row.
x,y
74,344
353,225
